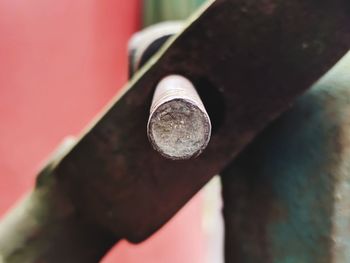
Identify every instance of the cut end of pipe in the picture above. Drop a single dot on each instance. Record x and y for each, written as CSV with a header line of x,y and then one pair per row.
x,y
179,129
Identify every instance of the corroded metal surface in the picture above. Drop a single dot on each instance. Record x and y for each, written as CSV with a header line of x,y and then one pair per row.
x,y
44,226
250,60
179,127
287,196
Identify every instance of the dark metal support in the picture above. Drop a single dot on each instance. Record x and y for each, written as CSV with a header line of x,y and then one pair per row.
x,y
287,196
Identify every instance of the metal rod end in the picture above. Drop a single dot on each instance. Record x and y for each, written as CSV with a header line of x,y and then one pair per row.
x,y
179,126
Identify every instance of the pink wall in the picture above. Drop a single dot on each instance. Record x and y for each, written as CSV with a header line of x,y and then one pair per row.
x,y
60,62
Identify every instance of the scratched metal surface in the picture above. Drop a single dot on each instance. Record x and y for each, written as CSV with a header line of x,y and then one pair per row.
x,y
250,60
287,197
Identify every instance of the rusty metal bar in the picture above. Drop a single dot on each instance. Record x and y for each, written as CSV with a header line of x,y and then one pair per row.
x,y
258,57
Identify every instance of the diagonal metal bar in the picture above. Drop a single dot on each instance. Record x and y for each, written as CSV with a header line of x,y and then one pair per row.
x,y
249,59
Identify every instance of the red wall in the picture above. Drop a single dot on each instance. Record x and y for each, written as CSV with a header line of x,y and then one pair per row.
x,y
60,62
